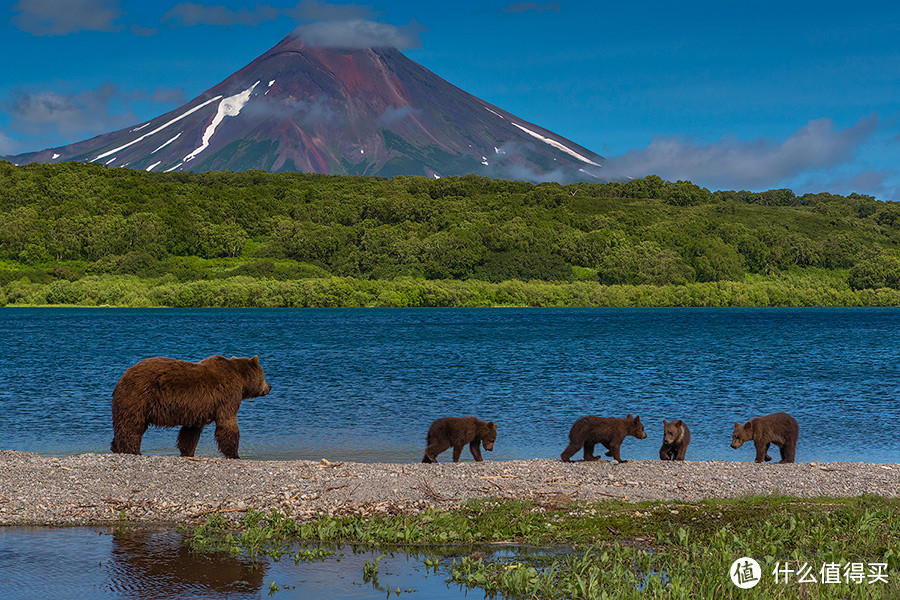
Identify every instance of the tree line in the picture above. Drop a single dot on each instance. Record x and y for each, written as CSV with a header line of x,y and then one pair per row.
x,y
67,221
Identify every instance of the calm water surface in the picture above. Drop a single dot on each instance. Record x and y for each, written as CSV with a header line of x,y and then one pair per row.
x,y
364,384
104,564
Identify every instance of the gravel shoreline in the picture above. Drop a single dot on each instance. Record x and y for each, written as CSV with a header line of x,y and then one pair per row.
x,y
94,489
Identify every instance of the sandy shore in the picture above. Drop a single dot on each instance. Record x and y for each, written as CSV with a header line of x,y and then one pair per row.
x,y
103,488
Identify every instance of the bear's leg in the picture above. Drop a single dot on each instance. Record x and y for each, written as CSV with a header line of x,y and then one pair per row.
x,y
614,452
682,451
569,452
665,453
787,453
128,442
432,451
188,438
228,436
457,452
761,451
476,450
589,452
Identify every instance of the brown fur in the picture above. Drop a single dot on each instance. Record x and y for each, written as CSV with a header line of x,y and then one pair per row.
x,y
457,432
676,437
779,428
589,431
165,392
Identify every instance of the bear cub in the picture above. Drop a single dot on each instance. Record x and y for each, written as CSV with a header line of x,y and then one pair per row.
x,y
676,437
778,428
166,392
457,432
589,431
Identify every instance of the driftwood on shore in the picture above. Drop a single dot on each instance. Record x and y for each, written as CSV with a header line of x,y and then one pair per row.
x,y
104,488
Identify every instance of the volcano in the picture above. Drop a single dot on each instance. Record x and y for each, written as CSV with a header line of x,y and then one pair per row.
x,y
337,111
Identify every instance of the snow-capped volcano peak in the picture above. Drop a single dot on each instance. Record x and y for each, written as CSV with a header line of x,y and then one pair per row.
x,y
340,111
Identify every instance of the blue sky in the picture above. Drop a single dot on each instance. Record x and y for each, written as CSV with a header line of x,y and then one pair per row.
x,y
729,95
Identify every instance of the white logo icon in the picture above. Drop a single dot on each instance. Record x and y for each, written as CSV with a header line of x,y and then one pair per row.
x,y
745,572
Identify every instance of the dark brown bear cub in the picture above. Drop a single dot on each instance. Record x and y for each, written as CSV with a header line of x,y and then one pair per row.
x,y
779,428
165,392
589,431
676,437
457,432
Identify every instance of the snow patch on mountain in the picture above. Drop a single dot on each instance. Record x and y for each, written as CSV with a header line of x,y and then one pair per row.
x,y
556,145
157,130
177,135
153,166
228,107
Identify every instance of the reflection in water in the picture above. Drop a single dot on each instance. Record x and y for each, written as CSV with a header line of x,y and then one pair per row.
x,y
151,565
81,563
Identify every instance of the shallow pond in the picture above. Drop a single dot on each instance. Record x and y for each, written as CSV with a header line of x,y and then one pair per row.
x,y
147,564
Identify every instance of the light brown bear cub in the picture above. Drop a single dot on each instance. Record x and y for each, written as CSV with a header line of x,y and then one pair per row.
x,y
778,428
166,392
589,431
676,437
457,432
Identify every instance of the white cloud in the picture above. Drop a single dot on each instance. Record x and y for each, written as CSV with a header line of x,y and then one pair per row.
x,y
61,17
8,145
359,33
735,164
187,14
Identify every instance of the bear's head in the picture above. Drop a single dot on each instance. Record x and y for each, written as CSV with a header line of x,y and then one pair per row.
x,y
671,431
635,427
255,384
490,436
742,433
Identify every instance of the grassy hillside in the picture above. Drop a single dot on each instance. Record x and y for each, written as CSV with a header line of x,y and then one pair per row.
x,y
85,234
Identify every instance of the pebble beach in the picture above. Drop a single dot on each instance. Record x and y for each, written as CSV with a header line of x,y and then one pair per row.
x,y
94,489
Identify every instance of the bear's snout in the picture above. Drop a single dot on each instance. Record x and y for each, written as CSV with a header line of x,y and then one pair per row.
x,y
735,444
267,389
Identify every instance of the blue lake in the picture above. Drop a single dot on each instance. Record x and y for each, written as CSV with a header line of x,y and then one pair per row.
x,y
364,384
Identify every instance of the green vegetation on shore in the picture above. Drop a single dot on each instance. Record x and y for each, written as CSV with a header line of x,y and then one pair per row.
x,y
88,235
651,550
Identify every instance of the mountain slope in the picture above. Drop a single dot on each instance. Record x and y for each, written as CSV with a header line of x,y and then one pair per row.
x,y
364,111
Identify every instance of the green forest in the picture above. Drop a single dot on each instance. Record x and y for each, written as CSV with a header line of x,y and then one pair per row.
x,y
76,234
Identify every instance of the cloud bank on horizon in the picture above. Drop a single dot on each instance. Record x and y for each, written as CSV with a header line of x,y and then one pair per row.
x,y
815,154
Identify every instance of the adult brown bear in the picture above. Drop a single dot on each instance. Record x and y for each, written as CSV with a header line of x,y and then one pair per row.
x,y
166,392
457,432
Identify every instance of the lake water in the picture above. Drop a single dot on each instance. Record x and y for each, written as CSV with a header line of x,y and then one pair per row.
x,y
364,384
143,564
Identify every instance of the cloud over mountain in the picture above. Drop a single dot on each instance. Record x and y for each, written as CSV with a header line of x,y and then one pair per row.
x,y
754,164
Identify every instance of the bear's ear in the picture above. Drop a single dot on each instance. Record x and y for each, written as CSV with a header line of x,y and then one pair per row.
x,y
255,359
678,423
665,422
233,357
492,425
629,417
736,424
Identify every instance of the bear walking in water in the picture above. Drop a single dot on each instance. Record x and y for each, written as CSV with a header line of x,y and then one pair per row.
x,y
457,432
589,431
778,428
676,437
165,392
